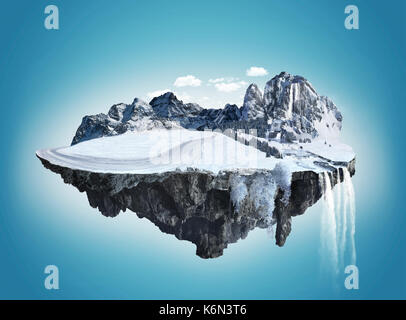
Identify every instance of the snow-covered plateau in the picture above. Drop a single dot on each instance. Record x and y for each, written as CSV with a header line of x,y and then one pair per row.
x,y
210,176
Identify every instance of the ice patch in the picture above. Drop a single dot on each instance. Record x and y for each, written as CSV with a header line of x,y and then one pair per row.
x,y
258,190
239,191
262,192
283,176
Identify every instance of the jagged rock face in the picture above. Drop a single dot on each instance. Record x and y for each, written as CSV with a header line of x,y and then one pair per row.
x,y
289,110
284,93
168,106
297,111
165,111
92,127
135,111
210,114
186,115
253,107
230,113
200,206
121,118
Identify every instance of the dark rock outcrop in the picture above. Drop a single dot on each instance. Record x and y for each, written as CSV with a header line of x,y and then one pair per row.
x,y
121,118
230,113
168,106
253,106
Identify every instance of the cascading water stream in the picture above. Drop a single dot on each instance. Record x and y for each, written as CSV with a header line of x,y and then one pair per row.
x,y
328,225
338,222
343,235
337,197
349,193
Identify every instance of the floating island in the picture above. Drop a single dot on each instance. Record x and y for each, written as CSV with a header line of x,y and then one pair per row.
x,y
210,176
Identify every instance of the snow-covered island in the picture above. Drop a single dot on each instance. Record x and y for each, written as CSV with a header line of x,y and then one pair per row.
x,y
210,176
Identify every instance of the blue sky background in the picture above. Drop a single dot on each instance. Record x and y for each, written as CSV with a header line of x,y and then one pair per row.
x,y
112,51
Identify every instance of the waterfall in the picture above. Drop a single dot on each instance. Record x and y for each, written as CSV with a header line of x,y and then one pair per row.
x,y
343,235
337,196
349,193
329,226
338,222
290,102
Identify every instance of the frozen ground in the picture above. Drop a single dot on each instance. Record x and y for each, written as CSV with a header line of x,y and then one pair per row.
x,y
164,150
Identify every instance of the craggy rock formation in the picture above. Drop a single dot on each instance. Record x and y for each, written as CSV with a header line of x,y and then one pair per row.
x,y
253,107
296,110
197,205
289,110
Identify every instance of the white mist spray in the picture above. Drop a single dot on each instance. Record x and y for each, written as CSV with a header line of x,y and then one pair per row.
x,y
343,235
338,222
337,197
328,225
350,195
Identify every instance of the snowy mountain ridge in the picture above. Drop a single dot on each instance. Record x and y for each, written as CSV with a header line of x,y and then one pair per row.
x,y
289,110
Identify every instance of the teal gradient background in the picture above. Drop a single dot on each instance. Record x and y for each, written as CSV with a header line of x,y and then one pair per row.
x,y
112,51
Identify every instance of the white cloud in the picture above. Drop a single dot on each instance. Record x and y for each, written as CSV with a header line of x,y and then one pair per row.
x,y
184,97
229,87
187,81
216,80
227,79
256,72
232,79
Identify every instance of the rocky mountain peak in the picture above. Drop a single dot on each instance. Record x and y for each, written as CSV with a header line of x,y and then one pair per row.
x,y
283,93
289,110
230,113
253,107
117,110
293,103
167,97
126,112
169,106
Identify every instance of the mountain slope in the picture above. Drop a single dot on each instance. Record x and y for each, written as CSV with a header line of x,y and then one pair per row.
x,y
289,110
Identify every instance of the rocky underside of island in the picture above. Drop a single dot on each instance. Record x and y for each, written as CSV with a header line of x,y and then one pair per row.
x,y
197,205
